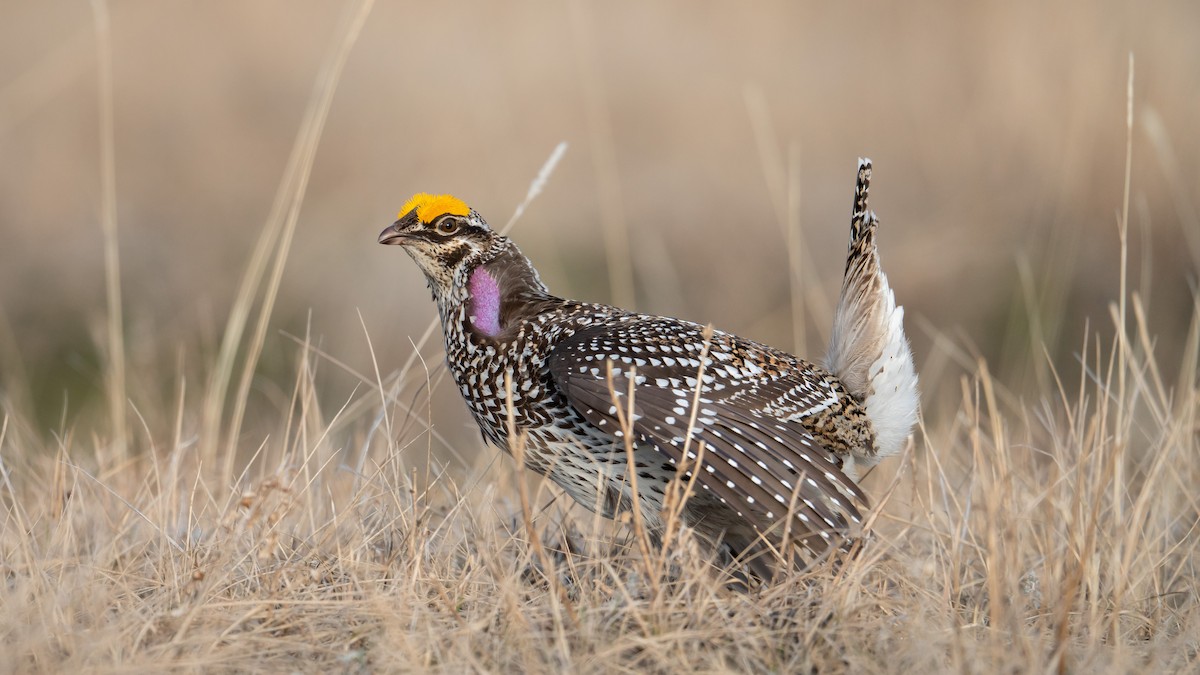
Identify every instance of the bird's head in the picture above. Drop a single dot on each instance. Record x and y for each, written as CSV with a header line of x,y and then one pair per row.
x,y
445,237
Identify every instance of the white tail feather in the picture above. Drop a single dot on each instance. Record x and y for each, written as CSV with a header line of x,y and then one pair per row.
x,y
893,399
868,350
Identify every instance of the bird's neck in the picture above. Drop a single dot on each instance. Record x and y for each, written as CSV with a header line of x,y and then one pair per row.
x,y
496,296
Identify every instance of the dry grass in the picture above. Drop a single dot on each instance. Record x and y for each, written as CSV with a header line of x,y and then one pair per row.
x,y
1018,536
1044,527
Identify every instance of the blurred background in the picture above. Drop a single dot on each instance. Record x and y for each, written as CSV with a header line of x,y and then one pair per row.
x,y
700,134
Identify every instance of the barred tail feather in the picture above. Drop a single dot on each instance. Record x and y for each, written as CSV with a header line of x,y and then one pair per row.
x,y
868,350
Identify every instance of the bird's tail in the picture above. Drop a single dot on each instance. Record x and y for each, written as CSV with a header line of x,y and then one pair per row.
x,y
868,350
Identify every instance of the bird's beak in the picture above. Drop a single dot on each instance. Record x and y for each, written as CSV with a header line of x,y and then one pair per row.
x,y
392,235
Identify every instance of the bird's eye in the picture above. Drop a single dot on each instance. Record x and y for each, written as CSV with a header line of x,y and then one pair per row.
x,y
447,226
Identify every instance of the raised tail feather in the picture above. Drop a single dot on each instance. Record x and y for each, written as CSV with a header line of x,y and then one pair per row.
x,y
868,350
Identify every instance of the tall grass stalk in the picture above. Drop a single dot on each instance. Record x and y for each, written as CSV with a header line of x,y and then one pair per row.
x,y
274,244
108,224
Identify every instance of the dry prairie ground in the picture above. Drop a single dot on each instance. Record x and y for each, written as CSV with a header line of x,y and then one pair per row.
x,y
1057,533
250,494
1021,534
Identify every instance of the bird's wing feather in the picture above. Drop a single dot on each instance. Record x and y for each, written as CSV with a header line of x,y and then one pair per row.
x,y
749,415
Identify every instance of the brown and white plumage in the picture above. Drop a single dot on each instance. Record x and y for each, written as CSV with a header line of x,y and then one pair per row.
x,y
781,436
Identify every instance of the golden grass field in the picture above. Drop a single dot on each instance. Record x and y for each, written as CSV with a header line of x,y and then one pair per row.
x,y
226,443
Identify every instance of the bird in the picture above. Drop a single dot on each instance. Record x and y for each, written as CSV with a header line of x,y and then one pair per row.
x,y
616,407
